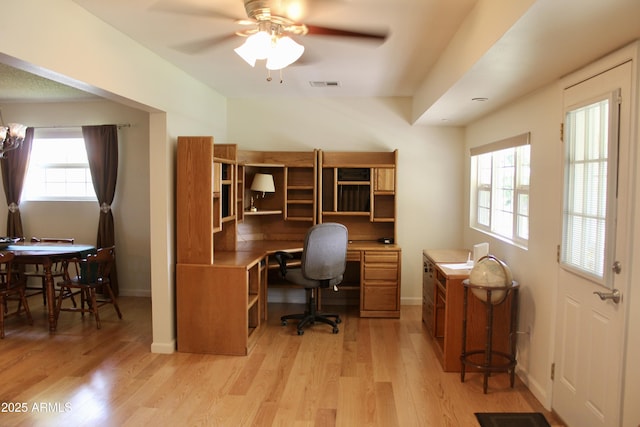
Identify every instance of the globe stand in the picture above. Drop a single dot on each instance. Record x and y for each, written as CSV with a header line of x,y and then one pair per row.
x,y
506,361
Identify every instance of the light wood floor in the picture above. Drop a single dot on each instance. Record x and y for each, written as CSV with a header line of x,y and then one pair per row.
x,y
375,372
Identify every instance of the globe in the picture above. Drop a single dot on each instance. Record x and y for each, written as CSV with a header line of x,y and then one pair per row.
x,y
490,272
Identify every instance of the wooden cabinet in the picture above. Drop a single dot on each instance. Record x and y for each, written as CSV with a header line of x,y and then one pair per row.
x,y
217,294
380,294
372,279
446,324
197,200
358,190
223,246
219,306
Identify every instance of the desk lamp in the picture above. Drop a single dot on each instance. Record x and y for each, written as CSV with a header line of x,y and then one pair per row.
x,y
262,183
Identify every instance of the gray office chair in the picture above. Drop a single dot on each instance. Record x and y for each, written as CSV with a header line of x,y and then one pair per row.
x,y
324,259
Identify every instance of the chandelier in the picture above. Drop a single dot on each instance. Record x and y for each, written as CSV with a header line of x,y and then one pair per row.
x,y
11,136
269,41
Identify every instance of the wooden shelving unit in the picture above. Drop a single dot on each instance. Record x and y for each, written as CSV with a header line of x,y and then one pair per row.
x,y
222,295
300,198
358,190
211,286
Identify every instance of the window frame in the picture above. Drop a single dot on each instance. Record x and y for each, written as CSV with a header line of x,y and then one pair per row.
x,y
600,274
58,133
518,186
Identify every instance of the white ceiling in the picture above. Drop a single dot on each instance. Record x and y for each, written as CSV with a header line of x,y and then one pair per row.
x,y
426,40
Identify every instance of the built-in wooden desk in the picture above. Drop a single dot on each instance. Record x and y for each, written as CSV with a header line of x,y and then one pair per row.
x,y
222,306
224,247
445,321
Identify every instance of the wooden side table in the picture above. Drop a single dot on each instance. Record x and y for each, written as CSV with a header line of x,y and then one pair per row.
x,y
494,361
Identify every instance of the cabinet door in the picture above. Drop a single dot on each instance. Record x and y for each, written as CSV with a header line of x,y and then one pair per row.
x,y
384,180
380,298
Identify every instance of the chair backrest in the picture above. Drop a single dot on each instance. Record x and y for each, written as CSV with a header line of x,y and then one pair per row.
x,y
324,255
9,277
97,267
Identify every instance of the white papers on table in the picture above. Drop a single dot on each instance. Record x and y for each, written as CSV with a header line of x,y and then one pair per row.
x,y
457,266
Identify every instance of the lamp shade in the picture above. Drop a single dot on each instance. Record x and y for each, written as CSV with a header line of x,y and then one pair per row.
x,y
17,130
263,182
257,46
284,53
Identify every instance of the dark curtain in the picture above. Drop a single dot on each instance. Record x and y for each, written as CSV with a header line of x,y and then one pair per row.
x,y
14,170
101,143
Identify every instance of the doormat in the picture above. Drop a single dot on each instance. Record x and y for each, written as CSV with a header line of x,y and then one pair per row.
x,y
511,419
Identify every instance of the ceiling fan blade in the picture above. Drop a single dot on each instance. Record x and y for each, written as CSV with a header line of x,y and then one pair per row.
x,y
324,31
190,10
199,46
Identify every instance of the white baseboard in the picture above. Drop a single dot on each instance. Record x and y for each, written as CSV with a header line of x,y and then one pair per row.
x,y
164,348
411,301
534,387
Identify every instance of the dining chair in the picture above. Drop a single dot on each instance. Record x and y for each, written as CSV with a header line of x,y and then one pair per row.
x,y
37,271
12,287
91,274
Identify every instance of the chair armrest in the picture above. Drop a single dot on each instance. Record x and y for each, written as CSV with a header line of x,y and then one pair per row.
x,y
282,257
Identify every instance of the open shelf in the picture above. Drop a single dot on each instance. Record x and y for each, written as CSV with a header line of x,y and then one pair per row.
x,y
264,212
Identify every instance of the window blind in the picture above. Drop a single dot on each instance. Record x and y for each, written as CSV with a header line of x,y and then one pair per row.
x,y
511,142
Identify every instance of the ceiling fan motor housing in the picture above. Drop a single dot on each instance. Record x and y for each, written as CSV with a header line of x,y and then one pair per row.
x,y
258,9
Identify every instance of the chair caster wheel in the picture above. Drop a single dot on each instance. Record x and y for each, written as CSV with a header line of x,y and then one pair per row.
x,y
300,332
336,330
283,322
338,320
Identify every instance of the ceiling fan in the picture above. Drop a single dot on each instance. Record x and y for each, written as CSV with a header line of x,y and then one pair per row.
x,y
270,27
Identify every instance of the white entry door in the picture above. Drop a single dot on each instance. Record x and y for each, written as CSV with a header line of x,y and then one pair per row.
x,y
594,254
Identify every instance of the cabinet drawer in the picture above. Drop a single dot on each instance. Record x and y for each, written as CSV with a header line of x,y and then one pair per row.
x,y
353,256
380,257
380,273
380,298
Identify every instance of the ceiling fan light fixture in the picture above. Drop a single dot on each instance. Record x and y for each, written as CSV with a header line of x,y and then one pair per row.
x,y
257,46
284,52
11,136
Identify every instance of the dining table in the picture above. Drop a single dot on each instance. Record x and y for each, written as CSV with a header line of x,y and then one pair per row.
x,y
45,254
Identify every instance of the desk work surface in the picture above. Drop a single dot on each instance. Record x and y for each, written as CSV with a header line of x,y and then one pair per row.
x,y
250,252
438,256
449,261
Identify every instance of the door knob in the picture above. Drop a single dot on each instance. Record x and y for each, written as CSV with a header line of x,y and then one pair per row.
x,y
614,295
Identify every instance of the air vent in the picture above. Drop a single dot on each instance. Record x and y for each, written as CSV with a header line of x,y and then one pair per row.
x,y
324,84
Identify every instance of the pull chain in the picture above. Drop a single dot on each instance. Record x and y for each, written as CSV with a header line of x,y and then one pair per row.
x,y
269,76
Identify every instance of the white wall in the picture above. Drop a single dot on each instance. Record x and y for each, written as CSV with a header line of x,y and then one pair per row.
x,y
430,160
536,268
